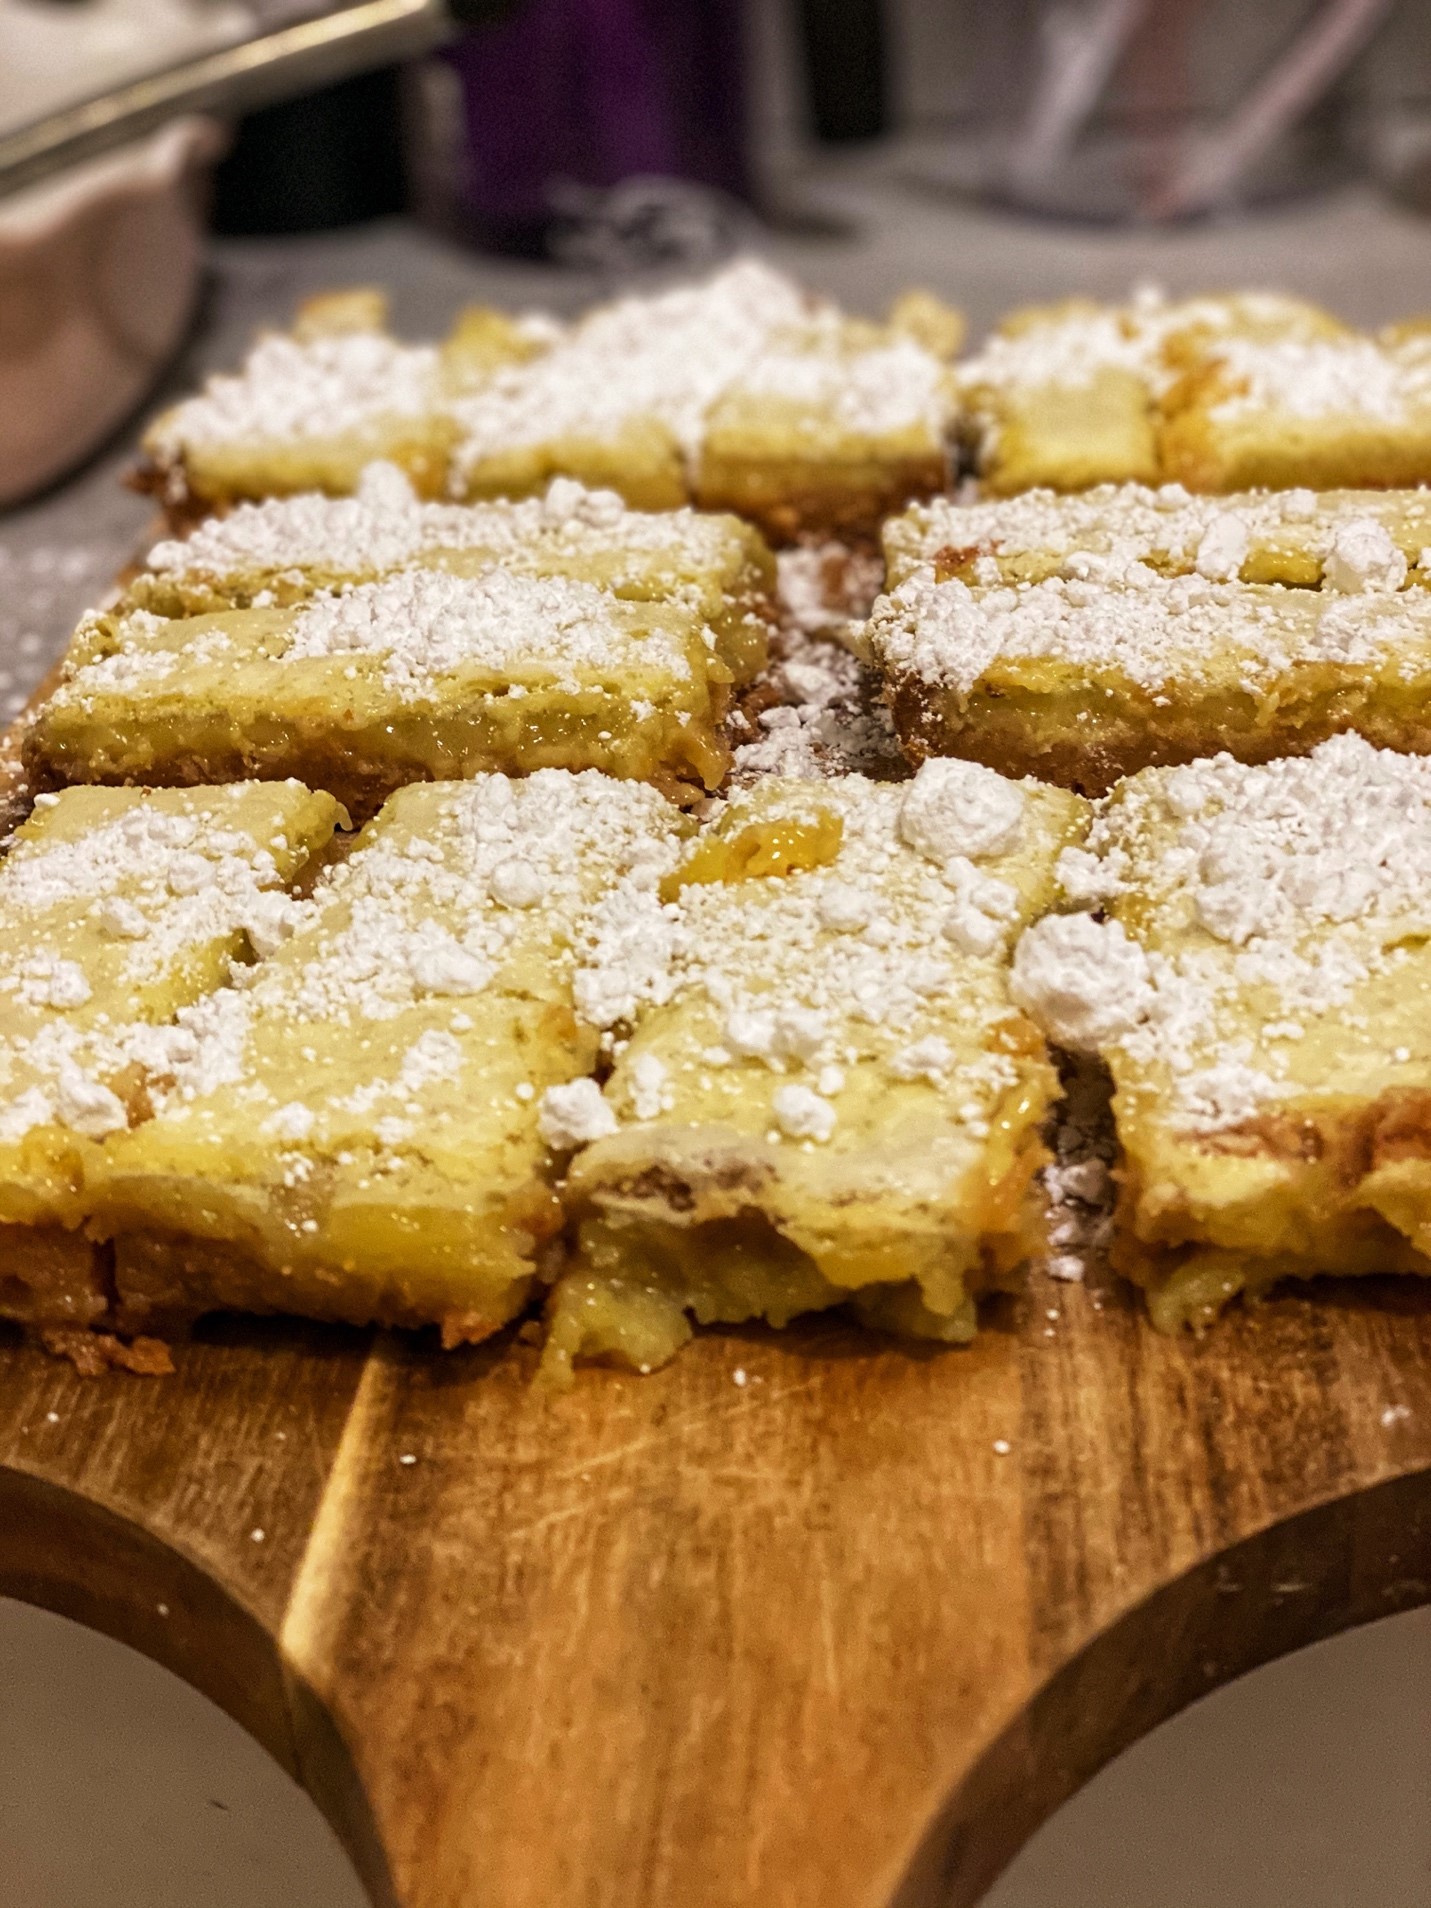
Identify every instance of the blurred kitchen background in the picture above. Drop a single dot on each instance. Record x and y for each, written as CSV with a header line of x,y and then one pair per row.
x,y
543,152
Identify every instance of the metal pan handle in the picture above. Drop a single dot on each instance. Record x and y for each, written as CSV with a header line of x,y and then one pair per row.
x,y
290,60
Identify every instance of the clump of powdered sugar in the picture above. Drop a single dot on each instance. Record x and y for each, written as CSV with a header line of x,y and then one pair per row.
x,y
1293,884
1361,556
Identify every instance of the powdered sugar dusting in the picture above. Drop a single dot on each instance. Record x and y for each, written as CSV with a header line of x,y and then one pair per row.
x,y
426,623
1114,532
139,897
1157,632
1069,346
290,389
866,390
1263,899
1320,378
384,526
840,966
665,358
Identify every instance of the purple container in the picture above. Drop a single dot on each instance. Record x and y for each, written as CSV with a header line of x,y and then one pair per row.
x,y
587,93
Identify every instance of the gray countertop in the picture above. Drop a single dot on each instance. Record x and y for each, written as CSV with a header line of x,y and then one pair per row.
x,y
860,229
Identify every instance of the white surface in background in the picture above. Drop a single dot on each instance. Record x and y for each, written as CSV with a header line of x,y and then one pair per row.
x,y
1307,1783
54,55
120,1787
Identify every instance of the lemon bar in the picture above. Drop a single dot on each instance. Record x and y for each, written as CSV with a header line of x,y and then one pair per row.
x,y
358,1133
1067,396
1335,412
1259,986
1347,539
740,392
1079,682
118,908
310,409
422,675
834,425
287,549
830,1096
621,400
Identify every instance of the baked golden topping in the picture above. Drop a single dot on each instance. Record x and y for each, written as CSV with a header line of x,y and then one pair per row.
x,y
423,674
1129,638
1220,394
827,1094
743,392
1258,985
119,909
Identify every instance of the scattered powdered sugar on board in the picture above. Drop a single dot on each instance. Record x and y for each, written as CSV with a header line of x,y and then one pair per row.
x,y
1078,1183
828,588
816,710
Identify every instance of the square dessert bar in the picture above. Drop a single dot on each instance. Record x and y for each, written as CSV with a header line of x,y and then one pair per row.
x,y
118,909
309,410
1067,396
742,393
1333,412
1345,539
423,675
357,1133
1080,682
834,425
1261,991
828,1094
288,549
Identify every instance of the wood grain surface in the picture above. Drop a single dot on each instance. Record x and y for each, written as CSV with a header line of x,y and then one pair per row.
x,y
842,1633
811,1638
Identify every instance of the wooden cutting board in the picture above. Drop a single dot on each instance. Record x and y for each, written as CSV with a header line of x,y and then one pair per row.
x,y
806,1620
814,1638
